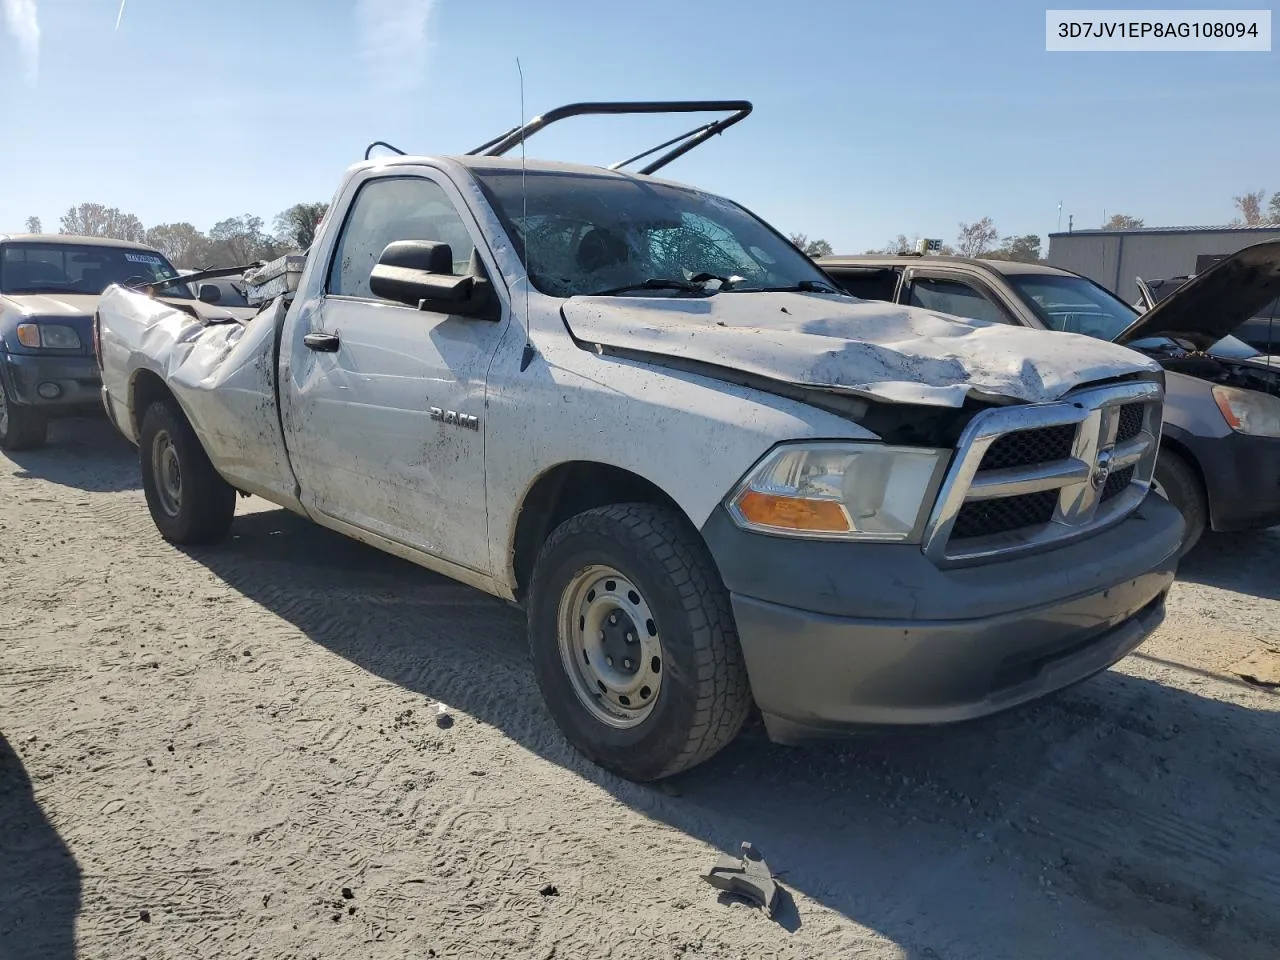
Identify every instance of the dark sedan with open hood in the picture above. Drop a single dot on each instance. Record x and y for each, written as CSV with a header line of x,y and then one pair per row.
x,y
1220,456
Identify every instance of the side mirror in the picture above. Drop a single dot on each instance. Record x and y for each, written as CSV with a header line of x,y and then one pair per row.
x,y
209,293
419,273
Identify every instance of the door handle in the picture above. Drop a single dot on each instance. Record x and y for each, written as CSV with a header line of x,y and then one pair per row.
x,y
322,342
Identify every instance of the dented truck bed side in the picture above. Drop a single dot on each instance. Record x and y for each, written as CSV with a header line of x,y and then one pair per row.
x,y
223,375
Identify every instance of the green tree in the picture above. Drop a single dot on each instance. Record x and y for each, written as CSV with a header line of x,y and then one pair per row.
x,y
96,220
1122,221
183,244
1273,208
1025,248
297,226
34,225
239,240
811,248
1250,207
976,238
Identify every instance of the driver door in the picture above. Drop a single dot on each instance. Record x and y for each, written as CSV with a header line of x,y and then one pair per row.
x,y
386,402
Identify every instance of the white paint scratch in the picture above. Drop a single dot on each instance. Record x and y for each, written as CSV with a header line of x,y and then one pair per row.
x,y
21,22
393,40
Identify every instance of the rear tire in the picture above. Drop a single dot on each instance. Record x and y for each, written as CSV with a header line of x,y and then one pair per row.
x,y
21,428
189,501
629,594
1177,482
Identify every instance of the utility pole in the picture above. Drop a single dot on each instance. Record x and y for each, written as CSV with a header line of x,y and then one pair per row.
x,y
1059,216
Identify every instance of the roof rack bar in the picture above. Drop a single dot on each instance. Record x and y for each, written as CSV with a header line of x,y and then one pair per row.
x,y
738,110
640,156
489,143
381,143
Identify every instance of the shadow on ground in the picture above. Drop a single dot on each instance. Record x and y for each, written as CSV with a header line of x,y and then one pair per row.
x,y
39,878
1244,562
85,453
1120,809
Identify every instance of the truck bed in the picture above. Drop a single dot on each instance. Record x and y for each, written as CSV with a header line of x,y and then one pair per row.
x,y
224,376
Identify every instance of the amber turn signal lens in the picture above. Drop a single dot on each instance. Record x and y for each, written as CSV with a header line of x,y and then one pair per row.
x,y
29,334
792,513
1224,404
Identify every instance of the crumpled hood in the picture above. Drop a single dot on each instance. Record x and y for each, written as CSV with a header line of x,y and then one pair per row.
x,y
899,354
52,305
1212,304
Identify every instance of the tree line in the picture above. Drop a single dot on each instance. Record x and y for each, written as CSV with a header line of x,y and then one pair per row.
x,y
980,238
228,243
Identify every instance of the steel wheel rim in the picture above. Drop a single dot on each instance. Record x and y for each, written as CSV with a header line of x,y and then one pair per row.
x,y
168,473
610,647
4,413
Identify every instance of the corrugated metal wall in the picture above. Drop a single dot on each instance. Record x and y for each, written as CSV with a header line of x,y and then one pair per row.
x,y
1116,260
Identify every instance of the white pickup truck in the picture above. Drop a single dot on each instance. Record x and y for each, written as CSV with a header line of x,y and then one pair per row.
x,y
714,482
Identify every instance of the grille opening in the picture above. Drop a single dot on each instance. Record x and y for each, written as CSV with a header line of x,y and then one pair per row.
x,y
1117,483
1026,447
980,518
1131,417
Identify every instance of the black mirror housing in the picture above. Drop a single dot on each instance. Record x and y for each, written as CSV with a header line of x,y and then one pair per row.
x,y
209,293
419,273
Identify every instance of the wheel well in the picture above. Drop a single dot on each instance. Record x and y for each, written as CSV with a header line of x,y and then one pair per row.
x,y
147,388
566,491
1186,456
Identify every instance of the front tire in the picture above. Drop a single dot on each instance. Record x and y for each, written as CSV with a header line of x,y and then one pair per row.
x,y
189,501
1177,482
633,641
21,428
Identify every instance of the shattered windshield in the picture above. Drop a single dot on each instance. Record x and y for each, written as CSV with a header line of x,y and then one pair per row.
x,y
67,268
581,234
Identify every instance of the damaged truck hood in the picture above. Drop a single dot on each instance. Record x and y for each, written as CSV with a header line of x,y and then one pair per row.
x,y
842,344
1212,304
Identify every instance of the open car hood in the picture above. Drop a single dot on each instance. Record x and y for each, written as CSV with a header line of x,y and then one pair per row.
x,y
1211,305
846,345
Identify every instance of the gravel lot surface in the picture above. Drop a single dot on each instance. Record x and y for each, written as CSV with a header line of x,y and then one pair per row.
x,y
238,752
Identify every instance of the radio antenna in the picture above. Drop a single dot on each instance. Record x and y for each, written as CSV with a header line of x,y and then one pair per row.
x,y
527,356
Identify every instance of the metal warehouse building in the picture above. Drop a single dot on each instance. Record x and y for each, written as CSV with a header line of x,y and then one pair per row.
x,y
1115,258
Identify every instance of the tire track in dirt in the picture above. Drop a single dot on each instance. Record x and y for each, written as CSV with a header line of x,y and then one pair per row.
x,y
295,679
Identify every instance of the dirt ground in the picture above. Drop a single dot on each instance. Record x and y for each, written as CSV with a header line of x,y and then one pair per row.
x,y
234,752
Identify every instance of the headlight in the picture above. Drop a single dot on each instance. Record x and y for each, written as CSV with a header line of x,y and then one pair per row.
x,y
840,491
1249,412
51,335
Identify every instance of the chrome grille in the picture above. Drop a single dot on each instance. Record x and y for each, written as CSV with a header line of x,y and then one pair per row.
x,y
980,518
1132,416
1026,447
1030,475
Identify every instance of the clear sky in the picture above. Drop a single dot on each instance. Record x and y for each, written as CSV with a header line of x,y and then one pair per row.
x,y
872,119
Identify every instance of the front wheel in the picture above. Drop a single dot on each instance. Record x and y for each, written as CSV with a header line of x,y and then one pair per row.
x,y
189,501
1177,482
633,641
21,428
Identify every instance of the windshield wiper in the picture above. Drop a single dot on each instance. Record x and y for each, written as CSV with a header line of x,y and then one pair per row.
x,y
804,286
655,283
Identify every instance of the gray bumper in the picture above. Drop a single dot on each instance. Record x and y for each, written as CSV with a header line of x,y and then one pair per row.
x,y
77,379
874,634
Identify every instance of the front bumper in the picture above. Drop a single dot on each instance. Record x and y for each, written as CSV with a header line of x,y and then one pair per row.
x,y
840,636
77,380
1242,474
